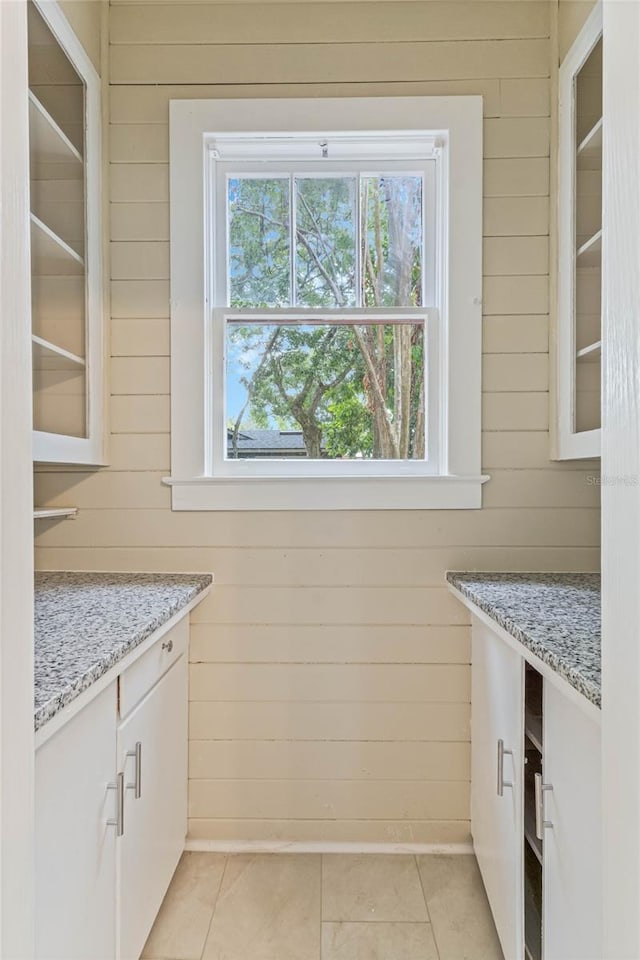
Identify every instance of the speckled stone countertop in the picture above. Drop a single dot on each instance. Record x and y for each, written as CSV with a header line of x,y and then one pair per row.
x,y
554,615
85,623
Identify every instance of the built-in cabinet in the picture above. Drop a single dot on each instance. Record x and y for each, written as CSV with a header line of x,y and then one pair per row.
x,y
111,810
496,779
535,805
75,840
66,242
580,240
152,749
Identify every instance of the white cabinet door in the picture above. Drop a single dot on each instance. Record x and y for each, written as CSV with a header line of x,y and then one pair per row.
x,y
155,824
496,820
75,847
572,846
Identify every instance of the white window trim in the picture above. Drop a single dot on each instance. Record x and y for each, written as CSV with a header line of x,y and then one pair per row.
x,y
194,124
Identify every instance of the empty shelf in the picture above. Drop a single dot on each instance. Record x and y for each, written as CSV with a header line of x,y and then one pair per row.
x,y
51,256
590,253
591,353
48,356
530,829
533,729
54,513
49,144
590,149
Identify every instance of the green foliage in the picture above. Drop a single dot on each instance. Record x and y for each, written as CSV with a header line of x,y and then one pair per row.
x,y
352,390
348,431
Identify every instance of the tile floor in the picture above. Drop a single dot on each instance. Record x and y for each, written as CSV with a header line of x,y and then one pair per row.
x,y
324,907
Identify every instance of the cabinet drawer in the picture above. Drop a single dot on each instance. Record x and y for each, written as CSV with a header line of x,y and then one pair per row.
x,y
142,675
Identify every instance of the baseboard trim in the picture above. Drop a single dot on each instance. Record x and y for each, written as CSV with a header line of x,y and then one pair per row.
x,y
320,846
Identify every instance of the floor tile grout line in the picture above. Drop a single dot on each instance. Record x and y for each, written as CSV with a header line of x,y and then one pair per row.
x,y
215,904
426,903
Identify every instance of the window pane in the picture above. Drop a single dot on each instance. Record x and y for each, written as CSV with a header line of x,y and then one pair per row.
x,y
391,210
325,242
341,391
259,260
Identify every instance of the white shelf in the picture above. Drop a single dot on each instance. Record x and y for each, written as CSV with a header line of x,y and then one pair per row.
x,y
50,144
533,729
48,356
590,149
591,353
54,513
51,256
530,830
590,253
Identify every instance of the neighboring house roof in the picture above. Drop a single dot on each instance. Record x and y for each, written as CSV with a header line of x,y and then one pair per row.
x,y
267,443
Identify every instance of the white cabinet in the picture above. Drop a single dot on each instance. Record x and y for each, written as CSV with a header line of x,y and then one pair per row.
x,y
111,809
75,845
572,845
152,748
580,241
496,774
535,803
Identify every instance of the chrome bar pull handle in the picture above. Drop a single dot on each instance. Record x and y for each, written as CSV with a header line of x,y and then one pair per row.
x,y
541,823
118,820
502,783
136,786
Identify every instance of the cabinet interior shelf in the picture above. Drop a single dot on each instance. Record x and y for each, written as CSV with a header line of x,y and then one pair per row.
x,y
530,829
49,356
51,256
533,729
589,254
590,148
54,513
591,353
50,144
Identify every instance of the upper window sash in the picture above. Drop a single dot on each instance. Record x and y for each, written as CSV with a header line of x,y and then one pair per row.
x,y
434,261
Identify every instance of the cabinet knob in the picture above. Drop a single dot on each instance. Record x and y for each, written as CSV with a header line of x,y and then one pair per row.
x,y
502,783
167,645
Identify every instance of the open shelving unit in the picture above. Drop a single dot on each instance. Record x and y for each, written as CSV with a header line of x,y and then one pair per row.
x,y
580,246
66,241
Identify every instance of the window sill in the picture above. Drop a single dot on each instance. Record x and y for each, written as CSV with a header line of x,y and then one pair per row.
x,y
330,493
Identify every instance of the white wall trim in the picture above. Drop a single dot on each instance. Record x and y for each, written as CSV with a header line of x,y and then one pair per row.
x,y
621,483
459,120
322,846
327,493
16,501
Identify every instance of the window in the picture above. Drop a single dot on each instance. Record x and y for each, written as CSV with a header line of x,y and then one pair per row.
x,y
326,326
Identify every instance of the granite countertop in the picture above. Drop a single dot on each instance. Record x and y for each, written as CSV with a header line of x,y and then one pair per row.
x,y
85,623
554,615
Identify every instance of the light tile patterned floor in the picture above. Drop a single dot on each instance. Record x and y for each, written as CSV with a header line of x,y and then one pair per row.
x,y
324,907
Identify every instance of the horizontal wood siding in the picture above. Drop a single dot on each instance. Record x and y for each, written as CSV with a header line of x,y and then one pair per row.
x,y
330,669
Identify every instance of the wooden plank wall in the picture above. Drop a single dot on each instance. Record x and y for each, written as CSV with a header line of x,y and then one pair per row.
x,y
330,667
